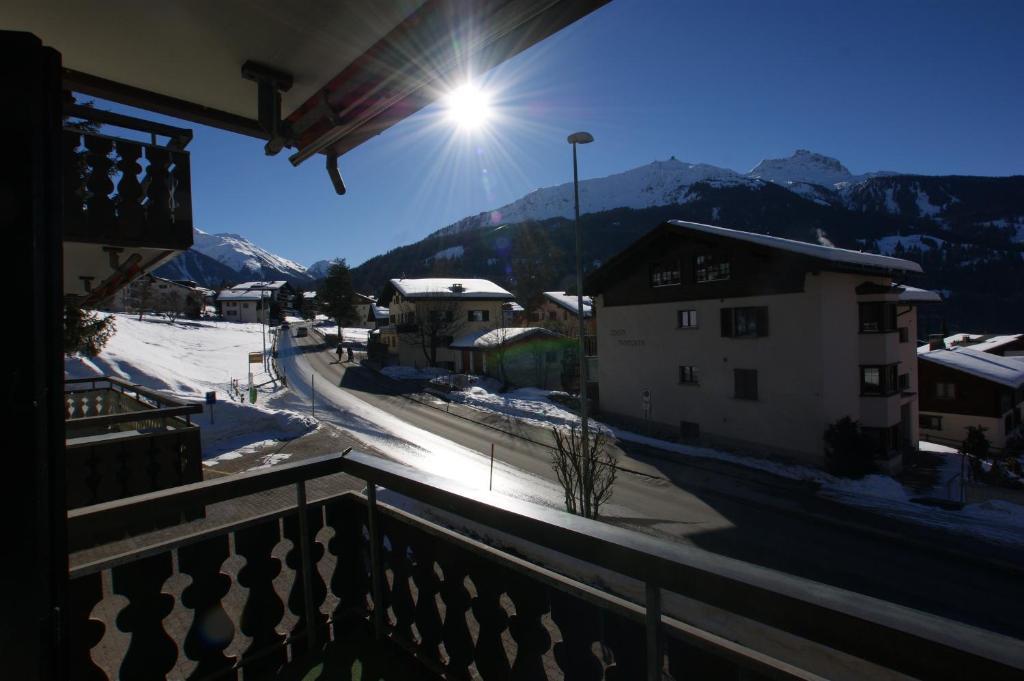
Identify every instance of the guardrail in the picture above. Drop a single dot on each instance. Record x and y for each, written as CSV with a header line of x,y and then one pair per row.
x,y
405,574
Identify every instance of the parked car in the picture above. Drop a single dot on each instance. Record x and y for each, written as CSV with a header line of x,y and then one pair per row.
x,y
301,331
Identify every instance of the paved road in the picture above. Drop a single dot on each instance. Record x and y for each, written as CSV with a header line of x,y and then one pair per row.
x,y
729,510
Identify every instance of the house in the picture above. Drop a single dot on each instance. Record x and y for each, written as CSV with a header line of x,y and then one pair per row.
x,y
362,304
310,305
520,356
558,310
1007,345
377,316
244,306
150,293
514,314
425,316
756,342
970,384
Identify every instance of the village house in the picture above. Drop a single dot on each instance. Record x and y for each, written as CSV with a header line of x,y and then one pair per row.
x,y
557,310
243,306
516,356
756,342
377,316
150,293
971,380
426,315
362,304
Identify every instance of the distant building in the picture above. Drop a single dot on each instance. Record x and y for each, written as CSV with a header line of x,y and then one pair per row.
x,y
757,342
150,293
425,316
971,380
362,304
519,356
244,306
557,310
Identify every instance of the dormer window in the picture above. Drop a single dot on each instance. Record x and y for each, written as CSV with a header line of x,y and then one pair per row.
x,y
711,268
665,273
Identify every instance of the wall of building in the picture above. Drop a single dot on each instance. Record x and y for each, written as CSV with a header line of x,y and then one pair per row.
x,y
242,311
954,429
410,350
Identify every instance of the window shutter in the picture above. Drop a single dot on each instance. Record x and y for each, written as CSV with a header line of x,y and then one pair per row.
x,y
762,321
487,315
727,331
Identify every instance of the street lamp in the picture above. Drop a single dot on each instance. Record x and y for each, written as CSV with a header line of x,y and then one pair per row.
x,y
574,139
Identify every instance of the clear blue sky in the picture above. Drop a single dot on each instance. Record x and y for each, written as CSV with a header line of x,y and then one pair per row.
x,y
913,86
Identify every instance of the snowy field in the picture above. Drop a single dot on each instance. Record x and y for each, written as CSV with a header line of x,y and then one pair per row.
x,y
187,358
995,520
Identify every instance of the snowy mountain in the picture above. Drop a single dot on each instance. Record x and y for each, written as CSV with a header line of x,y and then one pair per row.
x,y
248,259
318,270
194,266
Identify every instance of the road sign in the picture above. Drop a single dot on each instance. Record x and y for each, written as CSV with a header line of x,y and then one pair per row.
x,y
255,358
211,397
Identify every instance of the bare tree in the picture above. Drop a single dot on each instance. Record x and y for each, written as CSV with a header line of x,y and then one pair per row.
x,y
586,470
436,323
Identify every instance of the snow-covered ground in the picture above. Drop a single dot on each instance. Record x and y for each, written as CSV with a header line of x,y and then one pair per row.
x,y
187,358
994,520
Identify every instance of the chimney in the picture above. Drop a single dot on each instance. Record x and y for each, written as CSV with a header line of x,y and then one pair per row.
x,y
936,342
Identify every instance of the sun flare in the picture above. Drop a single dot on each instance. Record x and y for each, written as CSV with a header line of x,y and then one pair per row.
x,y
468,107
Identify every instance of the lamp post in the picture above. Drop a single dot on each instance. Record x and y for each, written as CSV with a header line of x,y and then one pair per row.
x,y
574,139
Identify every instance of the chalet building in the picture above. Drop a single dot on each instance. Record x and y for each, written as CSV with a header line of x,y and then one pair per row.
x,y
1005,345
557,310
426,315
362,304
377,316
244,306
150,293
518,356
278,293
757,342
515,314
970,385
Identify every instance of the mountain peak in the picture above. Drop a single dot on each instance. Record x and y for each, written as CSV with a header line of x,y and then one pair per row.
x,y
803,166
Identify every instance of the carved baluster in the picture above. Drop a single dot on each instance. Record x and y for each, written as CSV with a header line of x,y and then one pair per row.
x,y
350,581
101,208
527,630
628,641
579,623
489,653
428,620
130,214
85,631
296,599
151,653
458,642
75,175
181,199
263,608
401,599
212,630
158,203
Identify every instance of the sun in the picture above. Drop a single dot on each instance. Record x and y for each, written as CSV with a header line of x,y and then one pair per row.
x,y
468,107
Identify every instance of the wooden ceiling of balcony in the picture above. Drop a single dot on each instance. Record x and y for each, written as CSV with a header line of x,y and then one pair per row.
x,y
372,63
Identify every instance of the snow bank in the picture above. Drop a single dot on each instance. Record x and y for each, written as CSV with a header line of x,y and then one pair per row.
x,y
400,373
187,358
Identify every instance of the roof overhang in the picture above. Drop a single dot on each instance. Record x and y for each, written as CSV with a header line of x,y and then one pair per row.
x,y
355,68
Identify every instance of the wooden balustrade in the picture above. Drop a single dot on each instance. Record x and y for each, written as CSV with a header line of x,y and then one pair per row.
x,y
126,193
232,602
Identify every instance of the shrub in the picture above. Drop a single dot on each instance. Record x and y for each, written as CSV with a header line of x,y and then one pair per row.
x,y
847,452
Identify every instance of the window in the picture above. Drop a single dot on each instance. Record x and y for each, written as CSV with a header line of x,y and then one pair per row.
x,y
245,305
877,317
904,382
479,315
551,315
746,384
878,380
904,334
665,273
744,322
688,374
945,391
930,421
689,430
686,319
711,268
437,316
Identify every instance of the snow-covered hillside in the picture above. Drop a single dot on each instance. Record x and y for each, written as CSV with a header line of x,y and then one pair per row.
x,y
318,270
247,258
185,359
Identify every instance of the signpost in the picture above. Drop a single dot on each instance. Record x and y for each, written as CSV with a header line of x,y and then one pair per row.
x,y
211,399
490,485
254,358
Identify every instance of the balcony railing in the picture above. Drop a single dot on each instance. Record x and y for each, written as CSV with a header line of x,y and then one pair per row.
x,y
123,440
257,596
124,193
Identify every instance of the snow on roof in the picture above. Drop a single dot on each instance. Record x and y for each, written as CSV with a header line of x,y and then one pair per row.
x,y
569,302
309,294
830,253
379,312
513,306
366,298
911,294
1008,371
450,288
232,294
975,341
259,285
495,337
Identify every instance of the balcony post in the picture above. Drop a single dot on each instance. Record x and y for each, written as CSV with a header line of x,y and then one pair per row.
x,y
376,569
653,625
312,619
